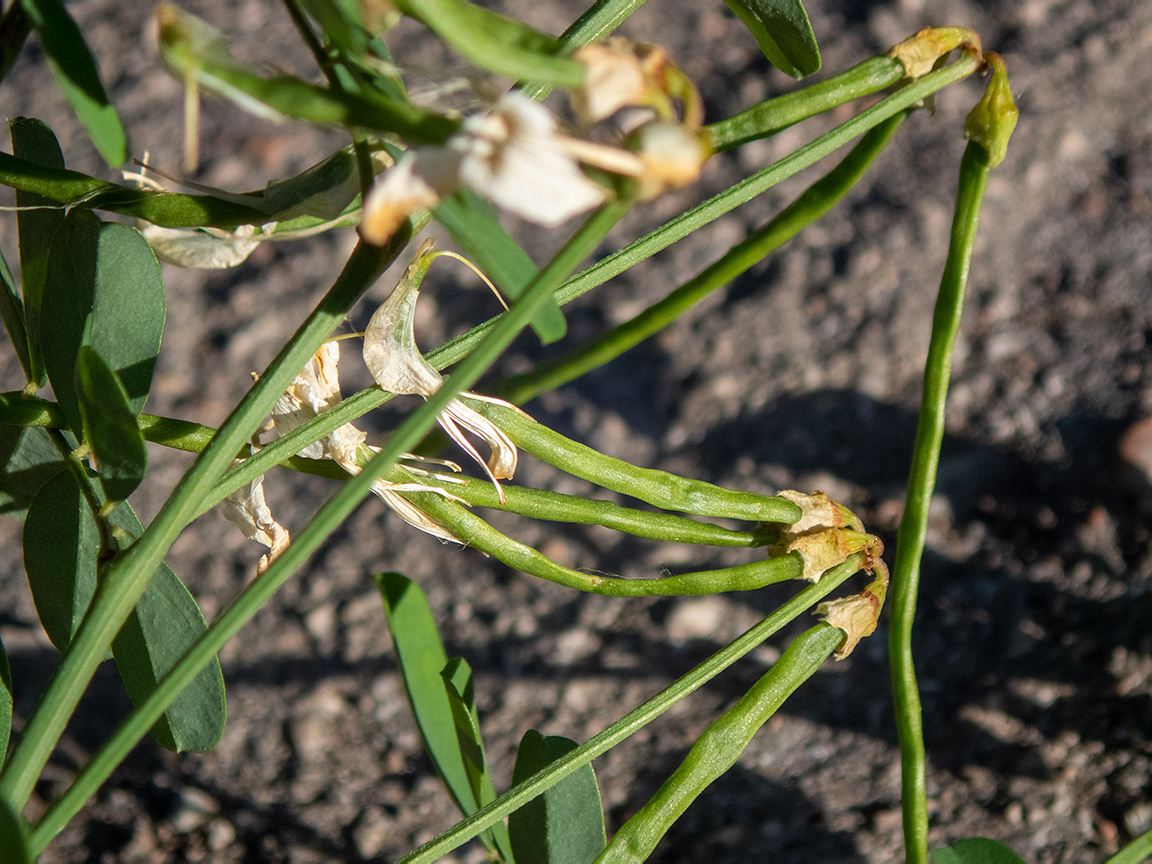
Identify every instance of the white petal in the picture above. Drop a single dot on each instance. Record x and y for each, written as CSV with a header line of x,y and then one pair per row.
x,y
514,157
246,509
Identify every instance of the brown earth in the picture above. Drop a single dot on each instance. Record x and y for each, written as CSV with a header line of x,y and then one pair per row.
x,y
1033,645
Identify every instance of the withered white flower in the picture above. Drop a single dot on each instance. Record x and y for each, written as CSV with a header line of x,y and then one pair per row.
x,y
246,509
619,73
513,155
392,357
317,389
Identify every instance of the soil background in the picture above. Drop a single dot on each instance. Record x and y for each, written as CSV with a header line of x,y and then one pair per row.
x,y
1033,642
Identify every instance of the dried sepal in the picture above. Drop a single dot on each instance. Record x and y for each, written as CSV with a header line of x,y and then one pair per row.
x,y
391,355
857,615
918,53
247,509
817,510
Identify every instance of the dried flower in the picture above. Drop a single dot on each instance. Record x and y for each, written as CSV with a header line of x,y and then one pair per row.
x,y
396,363
317,389
512,155
246,509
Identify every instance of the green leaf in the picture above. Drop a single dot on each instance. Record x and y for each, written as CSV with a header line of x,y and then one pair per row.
x,y
565,825
29,460
78,76
492,41
61,550
457,676
37,219
420,657
12,311
784,33
473,225
196,51
975,850
110,427
5,704
13,836
103,289
160,630
61,542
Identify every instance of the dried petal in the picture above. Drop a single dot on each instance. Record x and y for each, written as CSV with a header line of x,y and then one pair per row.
x,y
247,509
919,52
672,156
391,355
857,615
617,73
316,389
397,195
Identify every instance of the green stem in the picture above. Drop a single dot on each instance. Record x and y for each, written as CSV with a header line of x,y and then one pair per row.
x,y
772,115
921,481
635,720
126,577
583,242
817,200
1138,850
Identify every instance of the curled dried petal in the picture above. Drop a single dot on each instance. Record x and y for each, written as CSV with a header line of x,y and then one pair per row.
x,y
246,509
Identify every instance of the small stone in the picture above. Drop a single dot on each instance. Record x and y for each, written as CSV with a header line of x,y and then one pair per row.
x,y
372,833
1138,818
1136,446
221,834
696,618
887,820
193,809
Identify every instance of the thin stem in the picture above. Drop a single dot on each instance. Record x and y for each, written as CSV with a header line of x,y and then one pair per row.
x,y
817,200
635,720
921,481
326,520
126,577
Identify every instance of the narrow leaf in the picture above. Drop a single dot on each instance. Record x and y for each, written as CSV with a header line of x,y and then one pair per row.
x,y
473,225
29,460
12,311
457,676
37,219
61,551
13,836
492,41
975,850
565,825
103,289
110,427
420,657
5,704
78,76
783,31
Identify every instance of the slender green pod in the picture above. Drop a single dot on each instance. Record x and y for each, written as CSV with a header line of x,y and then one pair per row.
x,y
988,126
557,507
720,745
477,533
658,488
773,115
